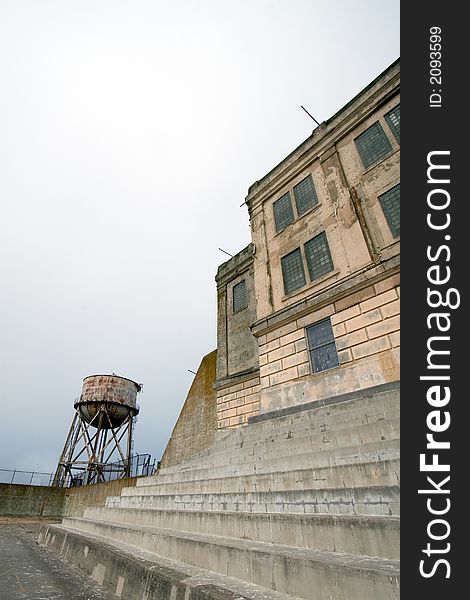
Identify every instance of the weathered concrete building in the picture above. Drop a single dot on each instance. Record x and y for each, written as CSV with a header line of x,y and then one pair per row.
x,y
320,281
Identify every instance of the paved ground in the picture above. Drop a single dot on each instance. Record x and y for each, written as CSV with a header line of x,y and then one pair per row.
x,y
30,572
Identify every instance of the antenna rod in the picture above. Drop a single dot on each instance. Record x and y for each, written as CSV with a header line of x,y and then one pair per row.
x,y
227,253
310,115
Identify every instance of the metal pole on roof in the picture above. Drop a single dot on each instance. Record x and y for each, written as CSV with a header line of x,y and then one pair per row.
x,y
303,108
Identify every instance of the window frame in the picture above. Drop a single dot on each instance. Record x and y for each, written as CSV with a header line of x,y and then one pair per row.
x,y
311,350
291,291
293,203
286,195
325,237
315,196
391,125
305,264
239,310
360,149
393,231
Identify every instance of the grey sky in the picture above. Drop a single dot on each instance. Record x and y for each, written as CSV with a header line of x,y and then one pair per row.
x,y
129,134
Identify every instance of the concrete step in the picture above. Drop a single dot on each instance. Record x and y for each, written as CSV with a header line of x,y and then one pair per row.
x,y
367,405
387,391
288,446
306,423
364,474
368,536
130,573
359,453
290,570
377,500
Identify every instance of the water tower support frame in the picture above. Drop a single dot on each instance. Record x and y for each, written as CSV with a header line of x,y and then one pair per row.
x,y
72,469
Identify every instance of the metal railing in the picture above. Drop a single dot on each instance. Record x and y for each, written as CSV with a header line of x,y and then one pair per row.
x,y
25,477
141,465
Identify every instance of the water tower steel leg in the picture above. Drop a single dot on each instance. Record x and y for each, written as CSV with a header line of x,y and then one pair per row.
x,y
93,467
87,441
118,446
117,436
113,448
59,474
103,446
129,447
67,474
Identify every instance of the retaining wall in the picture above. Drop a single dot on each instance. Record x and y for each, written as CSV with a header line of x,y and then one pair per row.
x,y
19,500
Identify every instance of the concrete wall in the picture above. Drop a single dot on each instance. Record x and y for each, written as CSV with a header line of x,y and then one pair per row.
x,y
78,498
31,500
366,185
237,384
42,501
196,425
367,335
237,349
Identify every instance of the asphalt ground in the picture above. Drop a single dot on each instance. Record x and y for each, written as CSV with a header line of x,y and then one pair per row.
x,y
30,572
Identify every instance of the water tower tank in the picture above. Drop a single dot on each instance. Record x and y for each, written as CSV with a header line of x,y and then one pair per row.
x,y
112,396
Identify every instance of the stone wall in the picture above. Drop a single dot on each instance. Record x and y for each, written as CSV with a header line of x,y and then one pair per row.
x,y
197,423
366,326
237,400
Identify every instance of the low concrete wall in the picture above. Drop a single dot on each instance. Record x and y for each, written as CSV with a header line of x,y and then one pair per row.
x,y
79,498
31,500
42,501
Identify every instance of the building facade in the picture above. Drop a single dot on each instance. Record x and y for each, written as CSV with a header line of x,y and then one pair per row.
x,y
310,309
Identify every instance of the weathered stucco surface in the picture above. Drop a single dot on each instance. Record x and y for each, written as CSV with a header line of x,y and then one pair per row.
x,y
196,425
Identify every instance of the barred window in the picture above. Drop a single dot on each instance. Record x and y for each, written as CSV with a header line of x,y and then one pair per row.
x,y
373,144
293,271
318,256
390,203
393,121
283,213
240,299
321,346
305,195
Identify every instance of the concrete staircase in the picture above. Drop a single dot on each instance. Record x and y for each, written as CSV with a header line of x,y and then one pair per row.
x,y
302,503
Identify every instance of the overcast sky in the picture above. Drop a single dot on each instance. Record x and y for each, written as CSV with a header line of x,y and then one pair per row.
x,y
130,132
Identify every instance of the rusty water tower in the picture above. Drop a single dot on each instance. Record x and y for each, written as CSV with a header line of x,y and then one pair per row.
x,y
98,446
